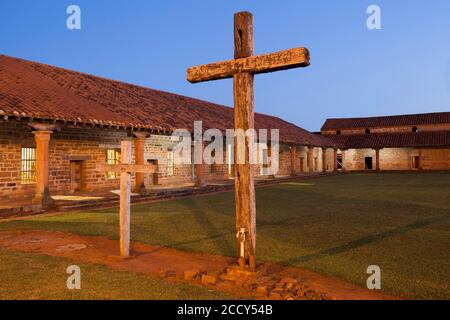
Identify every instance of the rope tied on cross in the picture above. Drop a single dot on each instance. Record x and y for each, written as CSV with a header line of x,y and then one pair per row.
x,y
241,236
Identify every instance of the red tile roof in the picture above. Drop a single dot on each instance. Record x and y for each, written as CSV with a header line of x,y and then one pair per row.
x,y
386,140
387,121
39,91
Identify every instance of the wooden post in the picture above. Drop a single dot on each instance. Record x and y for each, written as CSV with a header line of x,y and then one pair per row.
x,y
200,176
42,196
335,166
139,155
244,119
343,159
311,159
125,199
293,160
200,179
377,159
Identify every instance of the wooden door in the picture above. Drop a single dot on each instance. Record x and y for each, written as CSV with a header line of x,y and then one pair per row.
x,y
368,163
155,176
76,175
416,162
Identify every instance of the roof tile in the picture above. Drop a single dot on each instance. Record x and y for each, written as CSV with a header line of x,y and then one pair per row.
x,y
388,121
394,140
37,90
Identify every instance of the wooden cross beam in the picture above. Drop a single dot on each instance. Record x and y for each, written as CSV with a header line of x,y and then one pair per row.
x,y
287,59
126,168
243,68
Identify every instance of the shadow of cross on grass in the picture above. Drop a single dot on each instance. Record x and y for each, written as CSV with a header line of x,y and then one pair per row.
x,y
203,217
367,240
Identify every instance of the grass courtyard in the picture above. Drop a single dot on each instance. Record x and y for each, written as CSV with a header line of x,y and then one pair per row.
x,y
35,276
336,225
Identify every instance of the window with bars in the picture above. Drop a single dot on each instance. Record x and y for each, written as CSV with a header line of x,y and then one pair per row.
x,y
170,163
28,166
112,157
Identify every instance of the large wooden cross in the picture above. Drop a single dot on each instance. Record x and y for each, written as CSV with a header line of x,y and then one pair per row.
x,y
126,169
242,69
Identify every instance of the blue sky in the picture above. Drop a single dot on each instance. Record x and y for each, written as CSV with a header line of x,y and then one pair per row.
x,y
403,68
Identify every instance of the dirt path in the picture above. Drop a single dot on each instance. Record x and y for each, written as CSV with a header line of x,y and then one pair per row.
x,y
271,281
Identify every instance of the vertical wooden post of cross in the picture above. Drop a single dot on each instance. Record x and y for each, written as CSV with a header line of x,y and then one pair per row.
x,y
125,199
244,119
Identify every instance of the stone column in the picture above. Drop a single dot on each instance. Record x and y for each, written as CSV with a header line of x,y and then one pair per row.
x,y
324,159
42,196
311,159
377,159
293,160
335,166
139,158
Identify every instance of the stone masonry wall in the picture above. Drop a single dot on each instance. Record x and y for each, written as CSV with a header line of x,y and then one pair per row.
x,y
399,158
89,146
12,137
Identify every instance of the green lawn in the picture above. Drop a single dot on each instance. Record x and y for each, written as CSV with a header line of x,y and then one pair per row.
x,y
30,276
336,225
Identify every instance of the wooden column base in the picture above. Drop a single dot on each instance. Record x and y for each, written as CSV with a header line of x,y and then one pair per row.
x,y
200,181
140,190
